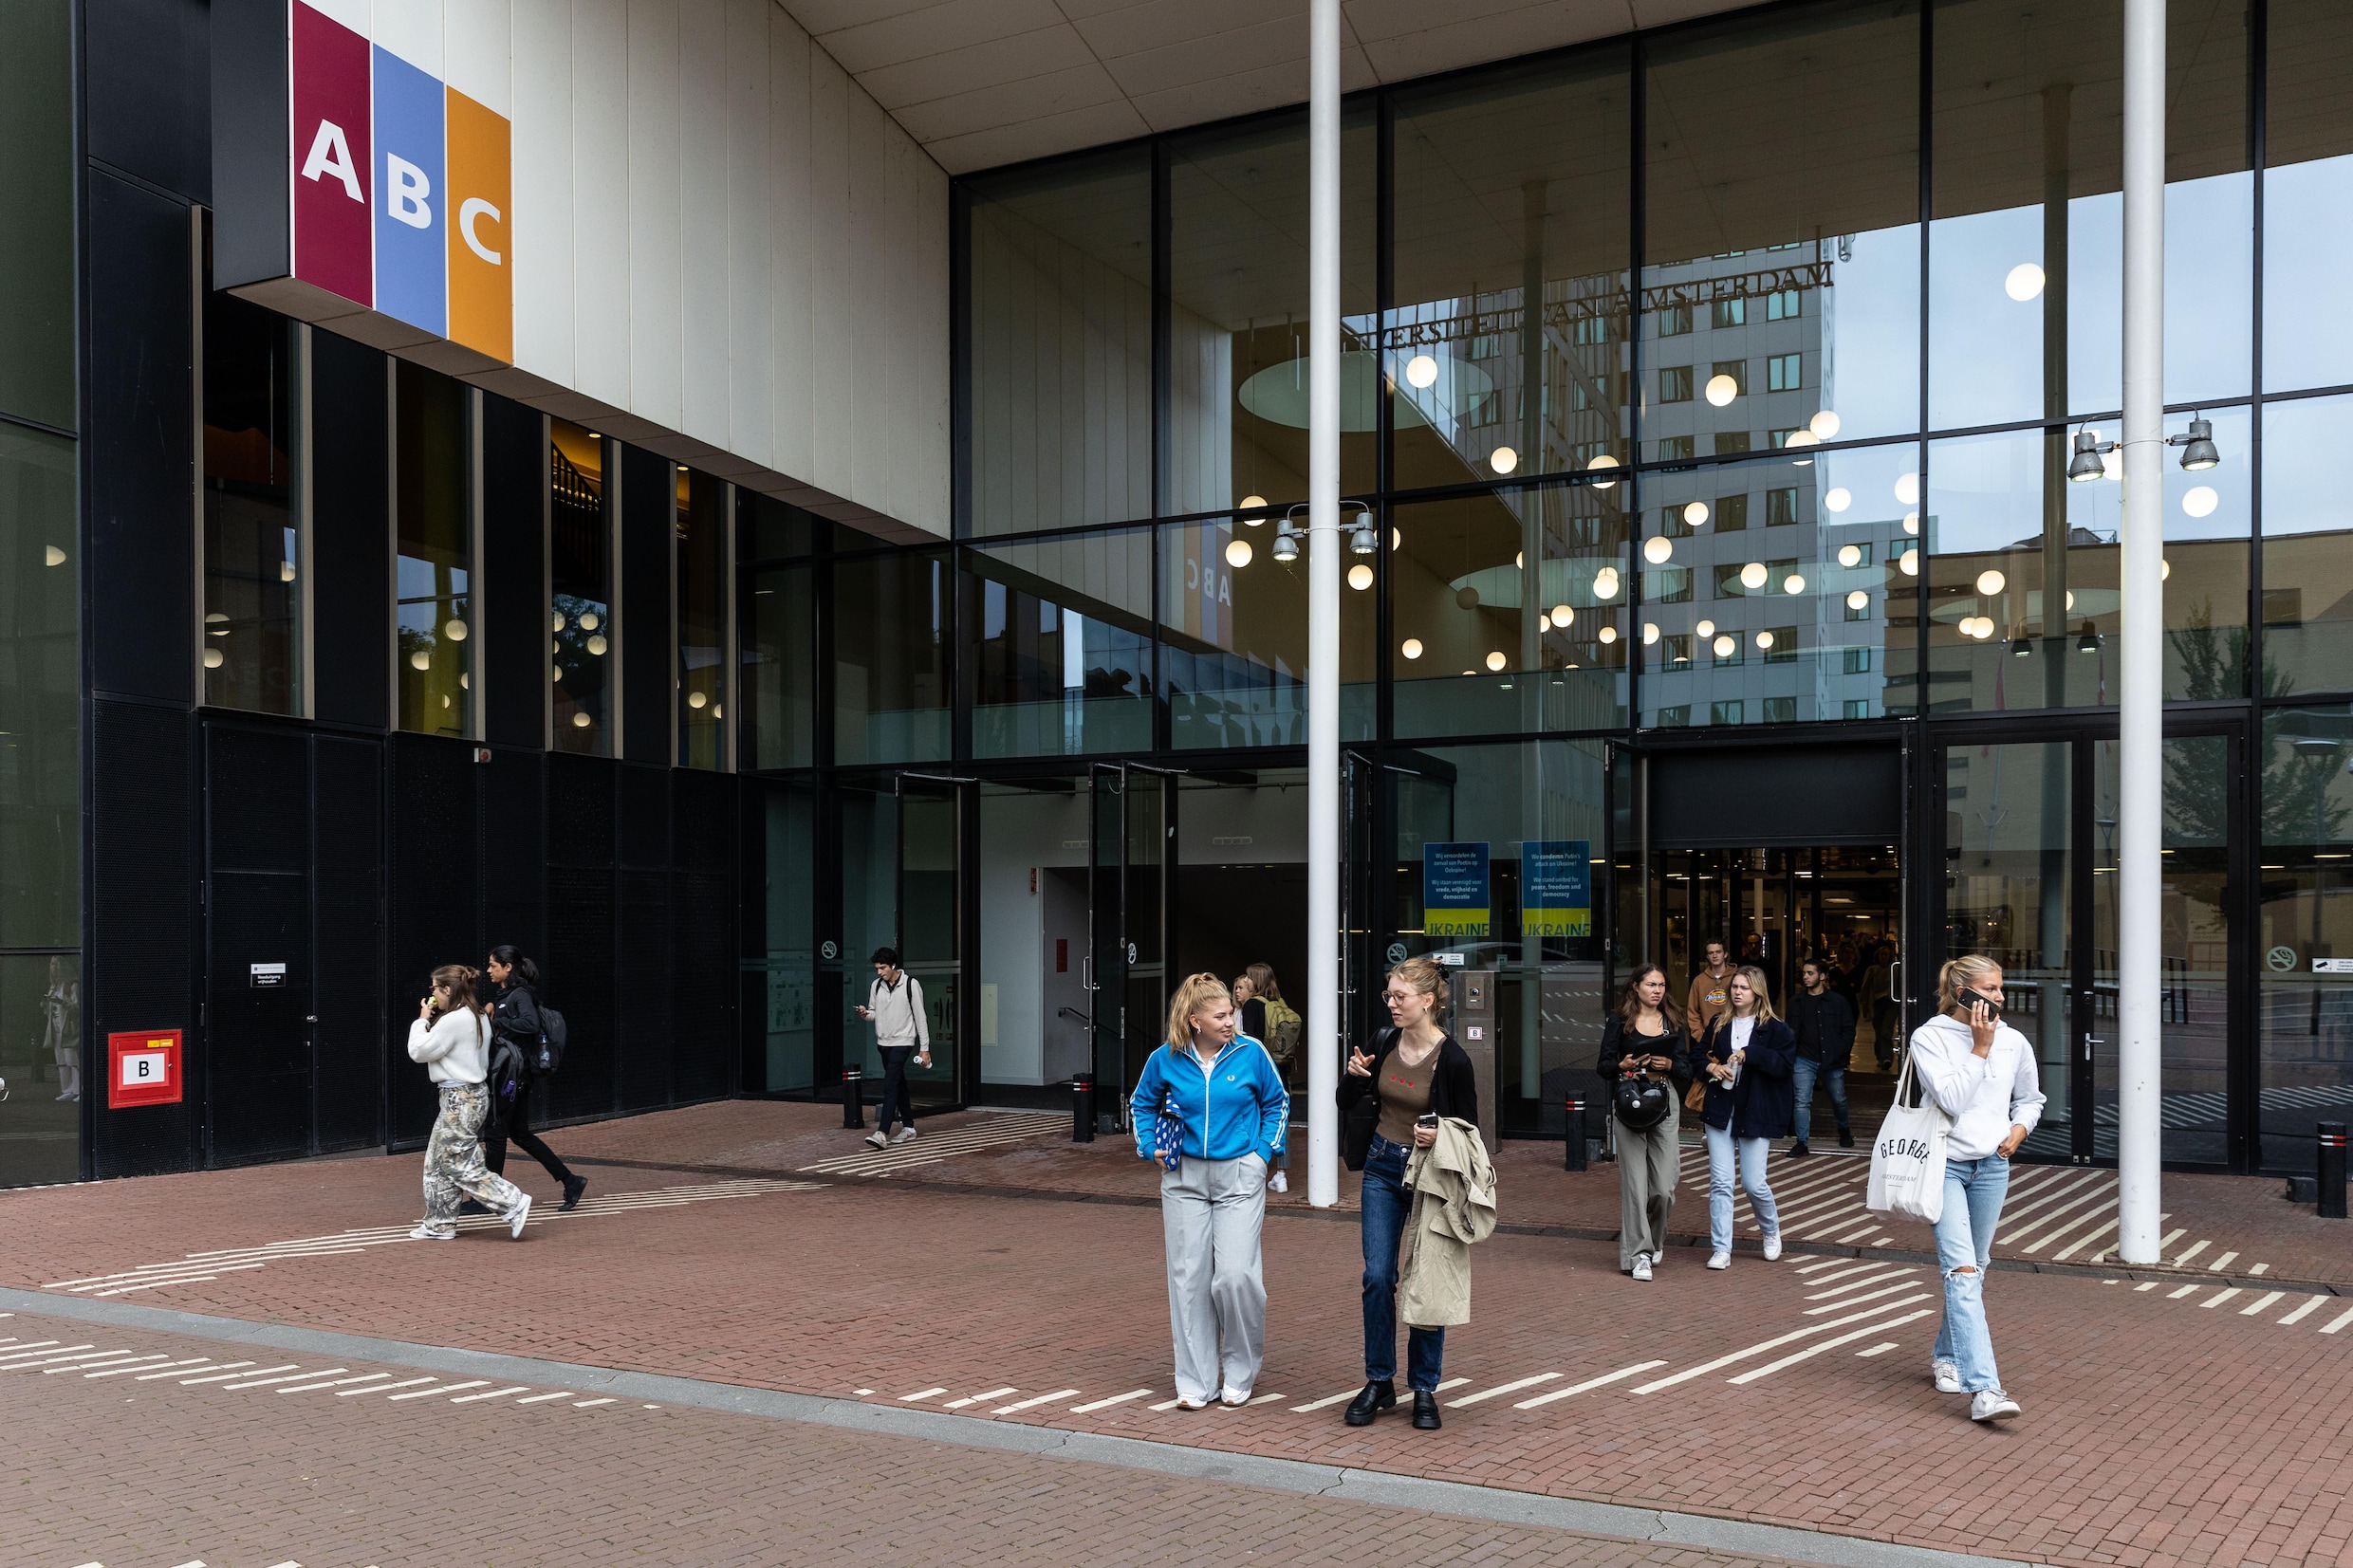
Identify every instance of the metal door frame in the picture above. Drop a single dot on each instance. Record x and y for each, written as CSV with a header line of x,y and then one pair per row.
x,y
965,795
1111,951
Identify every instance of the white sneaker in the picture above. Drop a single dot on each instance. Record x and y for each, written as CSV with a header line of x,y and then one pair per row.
x,y
1719,1260
1992,1405
1946,1375
516,1215
1279,1182
1233,1398
878,1139
427,1233
1773,1248
1641,1266
905,1135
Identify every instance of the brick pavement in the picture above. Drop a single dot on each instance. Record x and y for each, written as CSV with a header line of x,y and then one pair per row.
x,y
2230,1454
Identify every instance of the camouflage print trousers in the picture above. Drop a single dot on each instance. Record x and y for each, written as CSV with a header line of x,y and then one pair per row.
x,y
454,1167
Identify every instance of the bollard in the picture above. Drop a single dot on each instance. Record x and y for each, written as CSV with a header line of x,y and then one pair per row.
x,y
853,1097
1082,1108
2332,1171
1575,1159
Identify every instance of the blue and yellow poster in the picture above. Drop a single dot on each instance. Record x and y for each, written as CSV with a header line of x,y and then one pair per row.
x,y
1558,890
1453,890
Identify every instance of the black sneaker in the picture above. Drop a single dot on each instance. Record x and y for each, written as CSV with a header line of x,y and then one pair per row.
x,y
1377,1397
573,1188
1799,1150
1846,1138
468,1206
1425,1410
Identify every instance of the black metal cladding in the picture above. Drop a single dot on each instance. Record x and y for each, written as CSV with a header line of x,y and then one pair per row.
x,y
348,941
649,525
514,570
350,535
435,899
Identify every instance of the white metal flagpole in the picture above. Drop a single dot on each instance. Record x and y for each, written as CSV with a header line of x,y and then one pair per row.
x,y
1324,1002
2141,713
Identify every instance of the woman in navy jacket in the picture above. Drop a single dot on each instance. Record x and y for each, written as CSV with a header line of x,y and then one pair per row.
x,y
1745,1060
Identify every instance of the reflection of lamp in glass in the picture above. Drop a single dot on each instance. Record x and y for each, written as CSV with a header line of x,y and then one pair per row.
x,y
597,645
558,618
1658,549
1753,575
1605,583
558,673
1764,639
1801,438
1724,646
697,699
1422,370
1496,661
2089,641
1411,648
2023,283
1722,390
1563,615
1607,634
1824,425
420,660
1604,461
1503,459
454,630
579,721
1248,502
1706,628
1858,600
1650,632
1544,621
1907,489
2019,646
1793,584
1838,498
1695,515
2200,501
1910,562
1912,523
1850,555
1990,583
216,624
1359,577
52,555
286,571
2165,569
215,659
1239,554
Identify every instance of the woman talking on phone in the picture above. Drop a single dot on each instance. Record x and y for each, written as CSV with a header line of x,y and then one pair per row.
x,y
1746,1055
1393,1095
1980,1072
451,1037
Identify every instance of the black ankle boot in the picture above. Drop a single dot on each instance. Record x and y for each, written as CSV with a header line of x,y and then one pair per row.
x,y
1425,1410
1377,1397
573,1188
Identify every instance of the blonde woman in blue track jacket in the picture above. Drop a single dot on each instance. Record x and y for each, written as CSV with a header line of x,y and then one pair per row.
x,y
1211,1107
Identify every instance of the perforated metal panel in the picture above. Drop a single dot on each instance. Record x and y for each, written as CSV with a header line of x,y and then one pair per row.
x,y
141,970
347,938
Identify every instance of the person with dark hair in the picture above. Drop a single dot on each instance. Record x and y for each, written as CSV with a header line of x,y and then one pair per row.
x,y
895,1006
1644,1039
1824,1024
451,1037
514,1007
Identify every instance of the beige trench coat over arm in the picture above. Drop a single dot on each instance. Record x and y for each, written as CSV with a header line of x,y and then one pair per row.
x,y
1453,1187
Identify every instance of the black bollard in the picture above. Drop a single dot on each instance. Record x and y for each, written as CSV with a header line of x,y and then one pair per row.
x,y
2332,1171
853,1097
1576,1152
1082,1108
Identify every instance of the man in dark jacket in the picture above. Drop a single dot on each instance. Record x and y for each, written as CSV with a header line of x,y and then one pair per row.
x,y
1825,1022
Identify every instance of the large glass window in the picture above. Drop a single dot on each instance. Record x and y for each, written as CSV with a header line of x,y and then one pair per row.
x,y
788,984
1059,345
776,695
890,659
2307,880
1485,641
1511,189
1237,314
1780,591
2307,549
1235,620
2025,302
1781,247
1060,648
2308,194
433,500
701,569
580,549
38,255
41,1048
252,559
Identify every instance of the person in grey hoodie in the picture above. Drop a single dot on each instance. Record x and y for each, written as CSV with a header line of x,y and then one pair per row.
x,y
1980,1072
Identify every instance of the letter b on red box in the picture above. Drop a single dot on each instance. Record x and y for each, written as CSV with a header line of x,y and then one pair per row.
x,y
142,1068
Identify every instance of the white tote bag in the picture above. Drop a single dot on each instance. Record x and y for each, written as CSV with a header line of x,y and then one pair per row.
x,y
1907,1161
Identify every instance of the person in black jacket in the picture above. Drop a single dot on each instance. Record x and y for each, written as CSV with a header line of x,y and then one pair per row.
x,y
1824,1024
1646,1036
1413,1068
1745,1057
515,1015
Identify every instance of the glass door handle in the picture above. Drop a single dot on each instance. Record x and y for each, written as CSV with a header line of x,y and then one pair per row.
x,y
2089,1041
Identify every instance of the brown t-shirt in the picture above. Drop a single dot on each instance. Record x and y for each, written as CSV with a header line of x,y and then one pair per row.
x,y
1404,1095
1710,995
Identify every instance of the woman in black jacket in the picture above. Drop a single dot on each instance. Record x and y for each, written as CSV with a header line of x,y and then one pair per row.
x,y
1644,1037
1746,1057
514,1017
1414,1068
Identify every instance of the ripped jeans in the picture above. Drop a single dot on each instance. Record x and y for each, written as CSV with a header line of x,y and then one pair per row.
x,y
1973,1190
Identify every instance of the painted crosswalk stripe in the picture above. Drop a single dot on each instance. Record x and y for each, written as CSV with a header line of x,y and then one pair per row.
x,y
584,1404
494,1393
1847,1278
386,1388
112,1362
31,1357
2196,1247
2251,1308
980,1398
2339,1321
2176,1294
117,1372
2258,1268
335,1383
224,1376
1168,1404
264,1382
1879,1312
1032,1403
2219,1297
2151,1286
1573,1388
2303,1312
1826,1263
543,1398
923,1394
1513,1387
1880,1349
66,1360
1901,1285
1116,1399
2222,1262
1260,1399
1791,1360
446,1388
205,1362
1326,1401
1881,1276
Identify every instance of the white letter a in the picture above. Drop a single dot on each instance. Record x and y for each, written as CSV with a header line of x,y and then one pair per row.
x,y
331,155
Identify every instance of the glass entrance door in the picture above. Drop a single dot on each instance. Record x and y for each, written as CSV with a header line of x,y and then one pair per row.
x,y
932,938
1131,824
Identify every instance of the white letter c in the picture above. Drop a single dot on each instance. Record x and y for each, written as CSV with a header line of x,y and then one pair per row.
x,y
473,207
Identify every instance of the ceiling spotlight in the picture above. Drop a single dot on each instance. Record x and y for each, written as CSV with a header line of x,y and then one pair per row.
x,y
1650,632
1422,370
2023,283
1824,425
1604,461
1837,499
1496,661
1722,390
1850,555
2197,447
1607,634
1658,549
2086,465
1503,459
1239,554
1753,575
1793,584
1563,615
1287,541
2019,646
1724,646
1359,577
1990,583
2200,501
1411,648
1695,515
1363,540
1859,599
2089,641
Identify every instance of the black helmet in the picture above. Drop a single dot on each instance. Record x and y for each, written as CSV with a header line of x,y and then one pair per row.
x,y
1642,1103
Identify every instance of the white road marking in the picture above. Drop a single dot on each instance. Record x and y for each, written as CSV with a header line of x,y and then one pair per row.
x,y
1867,1296
210,1365
1775,1343
2222,1262
1106,1404
584,1404
980,1398
148,1361
364,1377
1771,1367
386,1388
446,1388
31,1357
1876,1277
560,1393
2151,1286
1168,1404
1261,1399
1589,1383
164,1371
224,1376
2176,1294
1503,1388
1319,1404
60,1361
1030,1404
497,1393
2258,1268
926,1394
2339,1321
1826,1263
2219,1297
2196,1247
2063,1221
2305,1311
264,1382
2260,1302
1880,1349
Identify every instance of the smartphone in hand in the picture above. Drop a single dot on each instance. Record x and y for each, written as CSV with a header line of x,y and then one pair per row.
x,y
1969,999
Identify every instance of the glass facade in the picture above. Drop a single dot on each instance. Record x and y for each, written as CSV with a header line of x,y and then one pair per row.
x,y
433,508
252,507
702,572
580,575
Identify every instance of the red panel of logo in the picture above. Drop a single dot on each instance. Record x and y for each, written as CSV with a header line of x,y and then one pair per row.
x,y
142,1068
334,149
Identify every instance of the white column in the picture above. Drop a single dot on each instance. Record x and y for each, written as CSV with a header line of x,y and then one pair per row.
x,y
1324,551
2140,684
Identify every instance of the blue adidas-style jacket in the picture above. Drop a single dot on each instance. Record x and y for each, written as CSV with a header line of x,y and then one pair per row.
x,y
1238,1108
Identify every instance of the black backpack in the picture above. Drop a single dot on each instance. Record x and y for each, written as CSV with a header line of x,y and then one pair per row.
x,y
550,1055
508,1080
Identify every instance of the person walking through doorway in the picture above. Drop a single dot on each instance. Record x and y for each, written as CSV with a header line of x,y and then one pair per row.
x,y
1409,1077
1825,1027
895,1007
1746,1057
1980,1072
1644,1038
1709,993
513,1007
451,1037
1276,1025
1878,995
1213,1111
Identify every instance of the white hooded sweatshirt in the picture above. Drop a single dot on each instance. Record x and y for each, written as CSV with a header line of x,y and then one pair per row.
x,y
1984,1095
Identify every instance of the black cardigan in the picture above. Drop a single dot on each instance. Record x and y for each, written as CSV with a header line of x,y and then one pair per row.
x,y
1454,1092
1620,1040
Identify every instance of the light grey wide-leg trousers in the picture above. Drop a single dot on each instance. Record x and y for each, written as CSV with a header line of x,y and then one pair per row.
x,y
1210,1214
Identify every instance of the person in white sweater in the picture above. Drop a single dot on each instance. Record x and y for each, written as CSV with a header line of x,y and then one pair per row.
x,y
451,1037
1980,1072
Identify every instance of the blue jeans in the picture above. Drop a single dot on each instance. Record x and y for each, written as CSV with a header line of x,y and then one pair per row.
x,y
1973,1190
1388,1204
1803,1074
1752,1152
